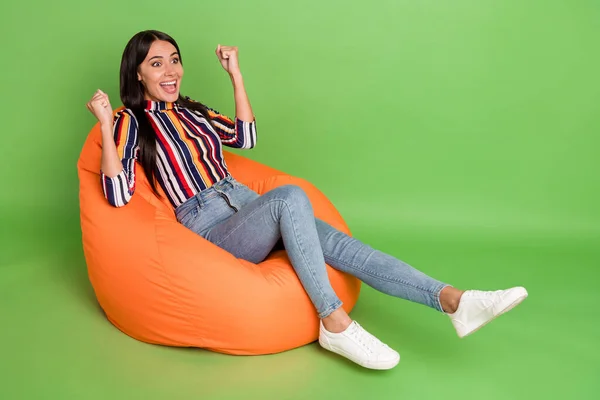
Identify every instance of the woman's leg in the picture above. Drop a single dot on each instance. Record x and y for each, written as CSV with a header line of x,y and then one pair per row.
x,y
286,212
468,310
381,271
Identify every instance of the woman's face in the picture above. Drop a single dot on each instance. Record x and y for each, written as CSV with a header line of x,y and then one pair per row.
x,y
161,72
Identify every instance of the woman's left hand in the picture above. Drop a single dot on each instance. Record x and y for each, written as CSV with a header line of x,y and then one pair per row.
x,y
228,56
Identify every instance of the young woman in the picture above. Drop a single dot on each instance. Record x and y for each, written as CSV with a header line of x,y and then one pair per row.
x,y
178,143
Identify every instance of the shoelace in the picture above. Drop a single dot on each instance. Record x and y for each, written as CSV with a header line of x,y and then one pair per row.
x,y
491,297
479,294
368,341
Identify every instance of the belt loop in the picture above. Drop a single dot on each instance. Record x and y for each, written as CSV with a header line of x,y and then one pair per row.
x,y
199,199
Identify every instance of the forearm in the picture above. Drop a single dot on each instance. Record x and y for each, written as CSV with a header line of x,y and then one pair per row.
x,y
111,164
243,109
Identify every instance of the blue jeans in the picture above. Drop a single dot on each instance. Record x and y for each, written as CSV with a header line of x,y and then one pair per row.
x,y
249,226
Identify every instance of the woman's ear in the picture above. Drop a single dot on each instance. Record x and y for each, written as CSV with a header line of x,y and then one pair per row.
x,y
139,77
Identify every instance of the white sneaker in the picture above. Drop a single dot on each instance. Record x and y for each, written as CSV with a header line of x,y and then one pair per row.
x,y
477,308
359,346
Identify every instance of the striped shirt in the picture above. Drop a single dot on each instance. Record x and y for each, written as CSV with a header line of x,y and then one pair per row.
x,y
189,152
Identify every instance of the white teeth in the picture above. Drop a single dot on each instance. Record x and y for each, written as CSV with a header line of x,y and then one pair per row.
x,y
168,83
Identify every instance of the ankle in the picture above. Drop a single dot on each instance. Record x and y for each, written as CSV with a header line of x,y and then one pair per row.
x,y
337,322
450,299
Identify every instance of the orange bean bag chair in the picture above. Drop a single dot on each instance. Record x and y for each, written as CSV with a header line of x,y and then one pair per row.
x,y
160,283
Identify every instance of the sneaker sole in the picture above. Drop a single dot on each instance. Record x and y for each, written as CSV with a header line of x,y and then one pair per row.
x,y
506,309
379,366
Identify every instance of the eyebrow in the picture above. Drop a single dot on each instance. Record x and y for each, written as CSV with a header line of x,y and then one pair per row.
x,y
172,54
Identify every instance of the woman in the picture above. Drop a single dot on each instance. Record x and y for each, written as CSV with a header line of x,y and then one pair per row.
x,y
178,143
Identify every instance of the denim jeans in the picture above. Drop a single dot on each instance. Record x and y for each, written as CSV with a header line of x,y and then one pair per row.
x,y
249,226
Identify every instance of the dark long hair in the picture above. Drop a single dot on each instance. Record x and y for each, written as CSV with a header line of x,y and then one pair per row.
x,y
132,96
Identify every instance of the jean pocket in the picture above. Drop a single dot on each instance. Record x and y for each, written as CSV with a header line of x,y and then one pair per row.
x,y
188,219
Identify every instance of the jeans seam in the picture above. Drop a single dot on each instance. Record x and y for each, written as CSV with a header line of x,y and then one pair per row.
x,y
299,242
380,276
330,309
434,294
337,303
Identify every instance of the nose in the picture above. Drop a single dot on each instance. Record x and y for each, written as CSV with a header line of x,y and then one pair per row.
x,y
170,69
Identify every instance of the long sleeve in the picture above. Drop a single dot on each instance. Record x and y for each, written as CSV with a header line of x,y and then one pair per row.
x,y
234,133
119,189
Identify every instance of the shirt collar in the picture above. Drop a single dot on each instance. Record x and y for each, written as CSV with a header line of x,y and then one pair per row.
x,y
158,105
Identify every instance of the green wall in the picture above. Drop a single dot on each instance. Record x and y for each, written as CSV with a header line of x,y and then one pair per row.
x,y
461,136
460,116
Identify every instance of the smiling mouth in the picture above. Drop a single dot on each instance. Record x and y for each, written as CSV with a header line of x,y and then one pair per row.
x,y
169,86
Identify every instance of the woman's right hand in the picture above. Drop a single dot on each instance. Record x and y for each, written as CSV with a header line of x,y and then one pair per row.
x,y
99,105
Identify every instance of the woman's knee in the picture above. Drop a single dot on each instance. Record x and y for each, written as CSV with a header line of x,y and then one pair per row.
x,y
292,195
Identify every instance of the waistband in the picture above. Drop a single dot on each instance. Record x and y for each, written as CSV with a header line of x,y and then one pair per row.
x,y
201,197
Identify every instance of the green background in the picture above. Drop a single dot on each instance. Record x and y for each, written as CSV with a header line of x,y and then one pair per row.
x,y
460,136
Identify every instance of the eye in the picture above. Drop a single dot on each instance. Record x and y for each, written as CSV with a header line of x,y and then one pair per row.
x,y
156,64
176,60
